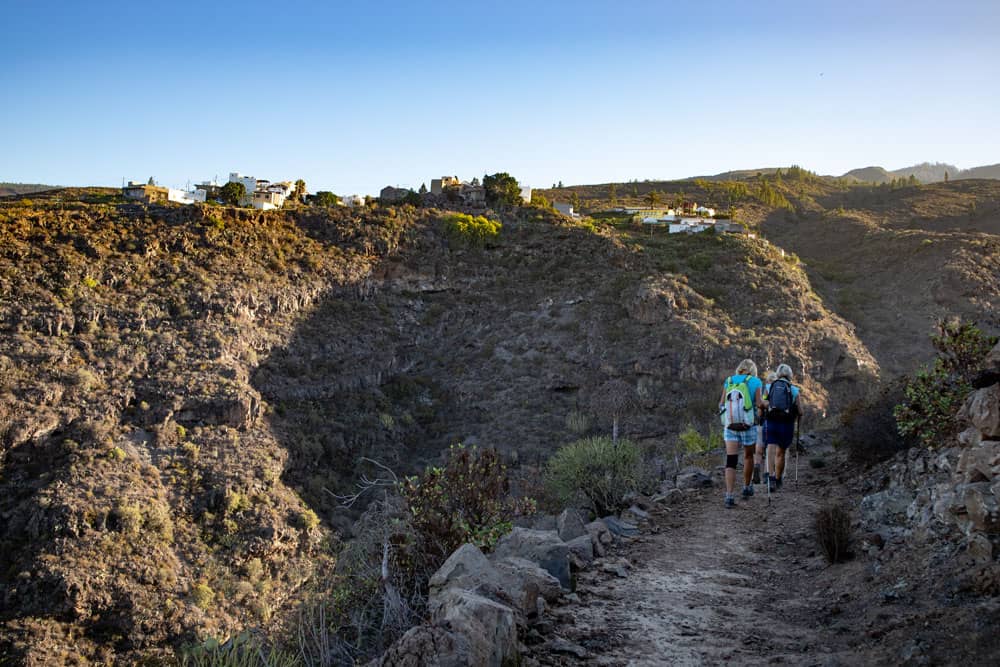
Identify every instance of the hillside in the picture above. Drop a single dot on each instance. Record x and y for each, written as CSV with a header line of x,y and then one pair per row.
x,y
182,386
11,189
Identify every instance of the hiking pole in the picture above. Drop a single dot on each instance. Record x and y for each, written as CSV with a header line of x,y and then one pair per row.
x,y
767,474
798,432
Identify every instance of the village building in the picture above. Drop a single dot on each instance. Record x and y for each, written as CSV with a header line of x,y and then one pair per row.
x,y
565,209
472,195
147,193
526,194
352,201
186,196
391,195
439,185
265,200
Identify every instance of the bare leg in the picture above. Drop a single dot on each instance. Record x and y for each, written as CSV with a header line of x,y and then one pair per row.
x,y
732,447
748,457
779,462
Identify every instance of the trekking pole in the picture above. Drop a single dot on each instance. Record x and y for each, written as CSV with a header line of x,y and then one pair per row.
x,y
798,432
767,475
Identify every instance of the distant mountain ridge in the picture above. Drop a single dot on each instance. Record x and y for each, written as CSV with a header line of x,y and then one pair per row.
x,y
925,172
7,189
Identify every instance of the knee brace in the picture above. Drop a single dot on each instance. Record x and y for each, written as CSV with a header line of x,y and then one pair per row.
x,y
732,460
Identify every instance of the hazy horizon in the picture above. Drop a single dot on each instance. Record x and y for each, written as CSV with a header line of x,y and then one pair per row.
x,y
354,98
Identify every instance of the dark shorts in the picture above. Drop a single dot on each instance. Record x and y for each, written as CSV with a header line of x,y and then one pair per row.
x,y
779,433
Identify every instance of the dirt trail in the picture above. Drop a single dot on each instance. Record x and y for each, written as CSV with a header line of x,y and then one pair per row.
x,y
708,585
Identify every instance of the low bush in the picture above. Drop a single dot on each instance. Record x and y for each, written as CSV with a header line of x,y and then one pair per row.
x,y
832,525
934,395
466,500
598,471
476,232
244,650
868,429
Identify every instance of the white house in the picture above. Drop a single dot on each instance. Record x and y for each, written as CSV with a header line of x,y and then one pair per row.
x,y
565,209
186,196
526,194
691,225
249,182
352,201
705,211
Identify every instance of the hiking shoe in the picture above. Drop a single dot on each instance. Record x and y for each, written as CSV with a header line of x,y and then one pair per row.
x,y
746,492
777,484
730,502
750,490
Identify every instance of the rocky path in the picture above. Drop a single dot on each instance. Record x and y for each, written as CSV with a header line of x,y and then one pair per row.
x,y
706,585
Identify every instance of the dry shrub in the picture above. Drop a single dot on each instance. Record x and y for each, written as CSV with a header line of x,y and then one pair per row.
x,y
833,532
868,426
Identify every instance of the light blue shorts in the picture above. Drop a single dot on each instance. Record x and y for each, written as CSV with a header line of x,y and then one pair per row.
x,y
744,438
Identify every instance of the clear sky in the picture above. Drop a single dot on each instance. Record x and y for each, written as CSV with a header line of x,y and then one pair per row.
x,y
354,96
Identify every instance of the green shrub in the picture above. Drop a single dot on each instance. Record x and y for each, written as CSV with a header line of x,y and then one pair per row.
x,y
129,518
467,500
464,229
308,520
202,596
934,395
596,470
691,442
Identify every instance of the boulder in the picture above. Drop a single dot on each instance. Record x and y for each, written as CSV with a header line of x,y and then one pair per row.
x,y
466,568
427,646
620,528
993,358
635,514
519,572
570,525
980,548
488,627
982,507
539,546
693,478
885,507
581,552
982,410
979,463
600,537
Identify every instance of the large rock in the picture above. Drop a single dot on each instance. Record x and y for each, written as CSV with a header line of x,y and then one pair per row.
x,y
521,573
600,537
619,527
693,478
466,568
570,525
488,627
427,646
980,463
982,410
581,552
982,507
885,507
539,546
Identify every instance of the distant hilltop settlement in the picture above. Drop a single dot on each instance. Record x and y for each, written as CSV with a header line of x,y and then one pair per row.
x,y
264,195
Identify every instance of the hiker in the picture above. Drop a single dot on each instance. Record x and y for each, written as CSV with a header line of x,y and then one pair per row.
x,y
739,407
758,458
784,406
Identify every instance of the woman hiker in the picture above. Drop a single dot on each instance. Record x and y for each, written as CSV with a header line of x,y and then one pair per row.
x,y
769,377
784,406
740,404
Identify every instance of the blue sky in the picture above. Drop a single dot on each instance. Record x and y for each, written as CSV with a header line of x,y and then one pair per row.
x,y
354,96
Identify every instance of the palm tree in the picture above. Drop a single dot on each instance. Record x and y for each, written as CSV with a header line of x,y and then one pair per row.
x,y
653,198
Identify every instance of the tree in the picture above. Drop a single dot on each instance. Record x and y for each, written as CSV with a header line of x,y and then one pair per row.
x,y
613,195
559,185
475,181
423,188
946,176
232,193
574,201
502,188
325,199
653,198
300,190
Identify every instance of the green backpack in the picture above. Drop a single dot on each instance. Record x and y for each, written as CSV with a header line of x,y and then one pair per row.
x,y
737,409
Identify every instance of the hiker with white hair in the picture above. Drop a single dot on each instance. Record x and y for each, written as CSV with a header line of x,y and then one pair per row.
x,y
784,405
741,401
